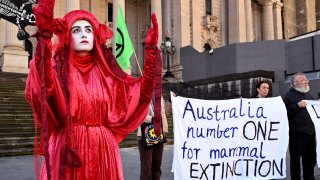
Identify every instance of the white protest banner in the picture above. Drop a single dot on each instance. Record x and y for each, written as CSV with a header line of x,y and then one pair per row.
x,y
313,108
229,139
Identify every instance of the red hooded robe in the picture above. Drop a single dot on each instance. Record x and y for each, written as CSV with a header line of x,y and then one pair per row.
x,y
91,104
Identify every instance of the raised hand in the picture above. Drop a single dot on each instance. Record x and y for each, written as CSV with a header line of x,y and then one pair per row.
x,y
44,15
153,33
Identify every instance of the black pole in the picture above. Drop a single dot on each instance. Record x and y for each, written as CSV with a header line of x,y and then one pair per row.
x,y
168,74
168,62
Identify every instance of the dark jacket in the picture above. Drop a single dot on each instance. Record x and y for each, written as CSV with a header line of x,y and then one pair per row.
x,y
299,118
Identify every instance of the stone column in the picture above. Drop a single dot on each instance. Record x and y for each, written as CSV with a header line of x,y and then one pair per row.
x,y
267,19
311,15
196,25
237,21
257,27
290,18
180,32
14,57
166,27
157,7
166,17
224,23
2,35
277,20
249,25
73,5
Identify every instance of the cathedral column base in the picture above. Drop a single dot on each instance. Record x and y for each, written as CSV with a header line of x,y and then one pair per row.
x,y
177,71
14,59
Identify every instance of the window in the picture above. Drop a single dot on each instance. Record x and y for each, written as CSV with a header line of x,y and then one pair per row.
x,y
110,12
208,7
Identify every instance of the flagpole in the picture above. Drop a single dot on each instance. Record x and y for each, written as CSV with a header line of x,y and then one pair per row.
x,y
135,55
114,28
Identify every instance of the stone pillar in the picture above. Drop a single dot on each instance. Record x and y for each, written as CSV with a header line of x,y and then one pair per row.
x,y
290,18
310,11
166,17
73,5
267,19
14,58
224,23
196,25
278,34
256,19
2,35
249,25
156,7
166,26
180,32
237,21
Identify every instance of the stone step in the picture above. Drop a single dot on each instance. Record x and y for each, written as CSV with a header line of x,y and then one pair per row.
x,y
16,152
16,82
5,103
129,143
13,80
17,145
10,101
11,90
16,100
13,119
12,87
17,129
16,134
15,77
16,117
21,111
7,116
16,124
13,107
12,95
11,140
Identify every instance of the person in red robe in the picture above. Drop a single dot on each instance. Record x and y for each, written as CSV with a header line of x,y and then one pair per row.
x,y
83,103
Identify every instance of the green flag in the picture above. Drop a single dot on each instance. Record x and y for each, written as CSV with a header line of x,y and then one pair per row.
x,y
124,46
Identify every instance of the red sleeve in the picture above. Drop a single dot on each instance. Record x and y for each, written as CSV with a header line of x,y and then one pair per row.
x,y
133,101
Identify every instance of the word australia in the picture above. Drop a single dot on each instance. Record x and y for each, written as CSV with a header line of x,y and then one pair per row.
x,y
217,113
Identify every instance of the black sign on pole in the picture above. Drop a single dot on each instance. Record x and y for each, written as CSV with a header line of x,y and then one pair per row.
x,y
20,13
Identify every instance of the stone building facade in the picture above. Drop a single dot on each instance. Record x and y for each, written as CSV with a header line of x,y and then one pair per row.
x,y
202,24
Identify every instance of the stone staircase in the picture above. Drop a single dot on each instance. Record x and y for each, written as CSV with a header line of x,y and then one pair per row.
x,y
16,119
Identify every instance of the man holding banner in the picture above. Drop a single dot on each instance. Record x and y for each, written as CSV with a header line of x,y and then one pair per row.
x,y
302,142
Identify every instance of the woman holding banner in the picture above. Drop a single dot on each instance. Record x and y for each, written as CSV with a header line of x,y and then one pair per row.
x,y
262,89
83,103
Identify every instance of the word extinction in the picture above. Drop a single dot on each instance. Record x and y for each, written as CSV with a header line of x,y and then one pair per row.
x,y
216,113
252,168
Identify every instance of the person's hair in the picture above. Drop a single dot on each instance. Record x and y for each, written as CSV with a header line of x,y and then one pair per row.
x,y
259,85
261,82
294,77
